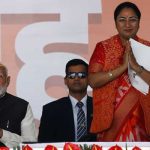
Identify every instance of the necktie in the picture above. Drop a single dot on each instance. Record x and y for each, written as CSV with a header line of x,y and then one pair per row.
x,y
81,122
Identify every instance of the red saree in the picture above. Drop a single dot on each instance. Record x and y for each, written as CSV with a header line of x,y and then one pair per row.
x,y
120,111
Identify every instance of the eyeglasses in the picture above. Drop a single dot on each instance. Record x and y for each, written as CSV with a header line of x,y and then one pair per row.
x,y
131,20
73,75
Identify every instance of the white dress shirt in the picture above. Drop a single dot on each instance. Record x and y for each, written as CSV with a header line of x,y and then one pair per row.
x,y
75,110
28,131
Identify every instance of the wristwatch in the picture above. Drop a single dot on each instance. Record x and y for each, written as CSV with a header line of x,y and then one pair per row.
x,y
140,70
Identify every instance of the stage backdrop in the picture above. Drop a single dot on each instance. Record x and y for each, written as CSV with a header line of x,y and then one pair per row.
x,y
38,37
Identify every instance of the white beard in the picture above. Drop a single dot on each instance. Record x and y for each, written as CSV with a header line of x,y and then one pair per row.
x,y
3,90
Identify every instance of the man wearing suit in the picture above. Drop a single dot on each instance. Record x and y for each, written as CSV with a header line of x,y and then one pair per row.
x,y
59,121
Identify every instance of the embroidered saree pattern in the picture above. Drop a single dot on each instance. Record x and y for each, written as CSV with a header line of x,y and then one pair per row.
x,y
107,99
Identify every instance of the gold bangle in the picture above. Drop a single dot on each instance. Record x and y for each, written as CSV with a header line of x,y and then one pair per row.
x,y
110,74
138,72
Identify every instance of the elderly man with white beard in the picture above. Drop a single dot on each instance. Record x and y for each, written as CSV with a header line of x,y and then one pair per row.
x,y
16,117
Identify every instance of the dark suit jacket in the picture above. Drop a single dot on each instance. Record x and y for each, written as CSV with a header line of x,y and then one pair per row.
x,y
57,121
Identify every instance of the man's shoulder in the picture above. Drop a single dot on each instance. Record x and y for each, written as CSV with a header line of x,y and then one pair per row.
x,y
57,103
16,99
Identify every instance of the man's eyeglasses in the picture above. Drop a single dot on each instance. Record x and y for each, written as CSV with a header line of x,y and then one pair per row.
x,y
73,75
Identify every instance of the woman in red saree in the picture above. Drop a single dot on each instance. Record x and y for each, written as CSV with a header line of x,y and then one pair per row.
x,y
121,113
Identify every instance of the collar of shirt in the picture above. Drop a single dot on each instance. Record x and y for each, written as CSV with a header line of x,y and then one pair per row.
x,y
74,101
